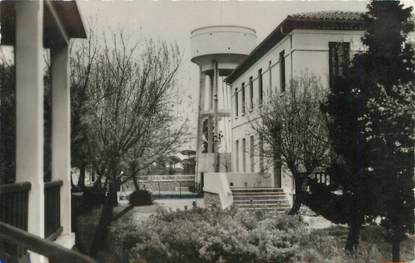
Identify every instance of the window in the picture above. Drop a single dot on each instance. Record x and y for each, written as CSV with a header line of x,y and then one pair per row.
x,y
339,57
236,102
252,154
244,155
251,93
282,71
260,89
237,155
243,98
261,154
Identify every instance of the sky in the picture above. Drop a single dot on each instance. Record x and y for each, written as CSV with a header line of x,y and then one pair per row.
x,y
174,20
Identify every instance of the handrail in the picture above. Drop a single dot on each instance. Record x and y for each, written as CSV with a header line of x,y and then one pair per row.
x,y
8,188
53,251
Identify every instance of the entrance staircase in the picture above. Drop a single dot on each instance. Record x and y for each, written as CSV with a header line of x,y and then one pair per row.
x,y
265,199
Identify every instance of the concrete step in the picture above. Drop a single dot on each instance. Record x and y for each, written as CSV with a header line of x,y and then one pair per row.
x,y
263,205
267,196
256,189
265,201
268,210
258,193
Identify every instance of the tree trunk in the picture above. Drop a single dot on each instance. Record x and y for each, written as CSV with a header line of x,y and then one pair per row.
x,y
98,183
114,188
354,233
396,250
105,220
298,181
136,184
81,180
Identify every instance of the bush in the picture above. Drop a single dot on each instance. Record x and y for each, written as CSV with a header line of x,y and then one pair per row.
x,y
232,236
140,197
210,235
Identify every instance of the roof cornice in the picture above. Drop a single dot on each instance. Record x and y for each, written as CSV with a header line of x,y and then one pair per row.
x,y
333,20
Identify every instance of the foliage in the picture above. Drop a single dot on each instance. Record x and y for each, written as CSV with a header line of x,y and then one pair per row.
x,y
203,235
295,130
389,120
140,197
212,235
371,113
7,122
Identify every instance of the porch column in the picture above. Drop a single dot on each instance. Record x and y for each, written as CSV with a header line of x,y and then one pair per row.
x,y
61,131
29,110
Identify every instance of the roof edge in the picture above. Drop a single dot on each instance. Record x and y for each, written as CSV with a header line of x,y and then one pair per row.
x,y
290,23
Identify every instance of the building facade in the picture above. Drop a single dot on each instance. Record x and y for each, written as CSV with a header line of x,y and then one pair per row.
x,y
303,44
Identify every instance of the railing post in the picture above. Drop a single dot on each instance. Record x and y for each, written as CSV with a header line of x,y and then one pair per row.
x,y
29,110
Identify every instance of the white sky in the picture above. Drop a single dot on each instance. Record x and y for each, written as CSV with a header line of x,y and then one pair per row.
x,y
174,20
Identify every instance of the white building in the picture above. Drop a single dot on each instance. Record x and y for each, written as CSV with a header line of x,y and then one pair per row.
x,y
315,43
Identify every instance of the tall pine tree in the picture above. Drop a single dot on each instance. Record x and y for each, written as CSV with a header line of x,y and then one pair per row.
x,y
371,126
389,127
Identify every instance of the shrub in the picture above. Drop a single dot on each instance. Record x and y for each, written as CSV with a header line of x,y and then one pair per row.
x,y
140,197
210,235
232,236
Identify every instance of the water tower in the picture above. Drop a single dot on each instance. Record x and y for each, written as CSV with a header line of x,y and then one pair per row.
x,y
217,50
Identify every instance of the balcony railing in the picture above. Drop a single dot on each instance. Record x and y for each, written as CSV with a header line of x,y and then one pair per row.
x,y
54,252
14,211
53,209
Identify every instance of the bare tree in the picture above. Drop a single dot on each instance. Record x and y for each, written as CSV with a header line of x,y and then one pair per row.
x,y
83,57
294,131
126,118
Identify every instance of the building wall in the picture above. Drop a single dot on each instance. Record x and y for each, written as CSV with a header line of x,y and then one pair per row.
x,y
305,51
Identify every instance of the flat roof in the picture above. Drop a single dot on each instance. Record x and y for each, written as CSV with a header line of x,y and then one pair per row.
x,y
67,13
222,26
323,20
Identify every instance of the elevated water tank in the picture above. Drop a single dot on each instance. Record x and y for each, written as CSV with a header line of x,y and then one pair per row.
x,y
226,44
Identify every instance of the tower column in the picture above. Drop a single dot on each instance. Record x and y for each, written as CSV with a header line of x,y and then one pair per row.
x,y
215,112
210,148
202,96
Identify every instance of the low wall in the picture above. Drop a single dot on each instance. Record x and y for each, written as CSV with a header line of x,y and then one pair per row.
x,y
249,179
211,199
217,183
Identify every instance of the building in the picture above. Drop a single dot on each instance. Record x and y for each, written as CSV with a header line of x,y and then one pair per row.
x,y
316,43
41,209
217,50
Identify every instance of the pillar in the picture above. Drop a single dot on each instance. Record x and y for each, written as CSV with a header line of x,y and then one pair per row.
x,y
29,110
215,143
61,131
202,93
209,89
